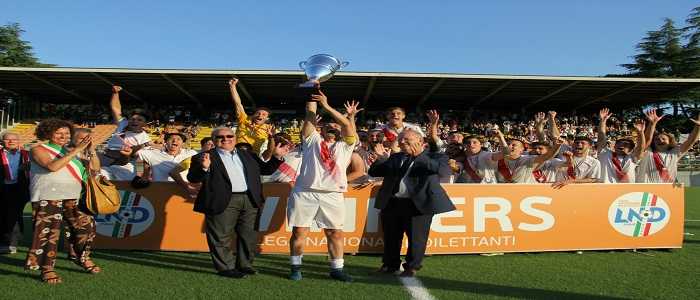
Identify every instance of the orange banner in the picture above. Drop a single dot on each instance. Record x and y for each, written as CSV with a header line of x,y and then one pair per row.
x,y
489,218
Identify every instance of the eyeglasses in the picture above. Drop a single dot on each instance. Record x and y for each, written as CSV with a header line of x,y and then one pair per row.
x,y
221,137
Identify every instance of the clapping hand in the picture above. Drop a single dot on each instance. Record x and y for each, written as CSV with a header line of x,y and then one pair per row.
x,y
206,161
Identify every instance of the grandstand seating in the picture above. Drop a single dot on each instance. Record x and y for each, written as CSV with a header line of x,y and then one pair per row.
x,y
26,132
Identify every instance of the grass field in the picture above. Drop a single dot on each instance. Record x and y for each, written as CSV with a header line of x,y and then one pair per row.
x,y
601,275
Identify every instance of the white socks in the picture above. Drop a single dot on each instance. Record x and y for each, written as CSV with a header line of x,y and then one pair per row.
x,y
337,263
295,260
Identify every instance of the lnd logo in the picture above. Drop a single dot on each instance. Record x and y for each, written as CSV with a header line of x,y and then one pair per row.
x,y
638,214
135,215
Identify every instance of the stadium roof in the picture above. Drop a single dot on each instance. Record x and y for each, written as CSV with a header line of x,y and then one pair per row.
x,y
375,90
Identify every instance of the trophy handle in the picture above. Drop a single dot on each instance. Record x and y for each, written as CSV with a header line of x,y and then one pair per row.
x,y
344,64
302,64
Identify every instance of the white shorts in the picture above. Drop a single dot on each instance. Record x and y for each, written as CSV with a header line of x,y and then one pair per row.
x,y
327,209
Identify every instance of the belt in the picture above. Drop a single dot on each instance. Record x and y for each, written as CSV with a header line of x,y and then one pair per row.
x,y
239,193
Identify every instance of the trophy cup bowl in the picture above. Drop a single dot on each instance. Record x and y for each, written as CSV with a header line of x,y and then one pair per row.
x,y
319,68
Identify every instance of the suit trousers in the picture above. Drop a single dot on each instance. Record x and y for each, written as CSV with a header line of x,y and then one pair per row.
x,y
239,218
398,217
10,215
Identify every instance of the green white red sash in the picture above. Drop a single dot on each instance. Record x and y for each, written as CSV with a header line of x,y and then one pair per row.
x,y
75,167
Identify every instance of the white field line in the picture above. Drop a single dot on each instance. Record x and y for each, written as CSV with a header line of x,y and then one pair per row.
x,y
416,288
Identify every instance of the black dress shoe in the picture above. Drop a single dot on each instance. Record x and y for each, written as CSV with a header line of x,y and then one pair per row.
x,y
232,274
408,273
384,269
248,271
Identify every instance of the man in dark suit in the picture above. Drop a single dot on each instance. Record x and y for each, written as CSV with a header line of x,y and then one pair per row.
x,y
14,191
230,197
409,197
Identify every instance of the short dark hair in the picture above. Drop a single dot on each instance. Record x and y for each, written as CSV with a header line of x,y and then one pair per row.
x,y
264,109
204,141
46,128
395,108
139,112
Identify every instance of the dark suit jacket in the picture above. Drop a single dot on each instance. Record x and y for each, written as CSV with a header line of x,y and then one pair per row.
x,y
423,181
215,194
22,181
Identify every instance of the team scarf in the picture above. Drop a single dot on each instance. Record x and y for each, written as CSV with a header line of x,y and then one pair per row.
x,y
327,158
661,167
75,167
570,171
504,170
539,176
617,166
389,134
24,158
471,172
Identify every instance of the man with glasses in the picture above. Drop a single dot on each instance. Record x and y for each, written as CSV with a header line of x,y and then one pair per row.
x,y
14,191
230,197
126,141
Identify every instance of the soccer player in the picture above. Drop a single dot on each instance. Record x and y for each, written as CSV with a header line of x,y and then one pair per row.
x,y
317,195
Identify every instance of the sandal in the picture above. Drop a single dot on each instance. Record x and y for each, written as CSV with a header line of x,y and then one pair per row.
x,y
50,277
89,266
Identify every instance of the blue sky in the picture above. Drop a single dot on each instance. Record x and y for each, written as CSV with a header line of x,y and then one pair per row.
x,y
475,37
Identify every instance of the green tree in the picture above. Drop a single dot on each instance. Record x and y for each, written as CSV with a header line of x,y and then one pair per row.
x,y
15,52
661,53
691,51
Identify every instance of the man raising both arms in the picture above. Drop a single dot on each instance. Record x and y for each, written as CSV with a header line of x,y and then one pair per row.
x,y
659,163
318,192
255,130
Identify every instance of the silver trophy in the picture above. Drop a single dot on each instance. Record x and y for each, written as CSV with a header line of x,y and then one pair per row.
x,y
319,68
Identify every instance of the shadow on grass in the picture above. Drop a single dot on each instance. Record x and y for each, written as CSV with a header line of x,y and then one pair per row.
x,y
160,261
503,290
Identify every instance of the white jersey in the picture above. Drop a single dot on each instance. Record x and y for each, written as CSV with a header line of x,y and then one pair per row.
x,y
319,174
162,163
547,172
649,173
288,169
584,167
483,166
520,169
119,137
392,133
608,175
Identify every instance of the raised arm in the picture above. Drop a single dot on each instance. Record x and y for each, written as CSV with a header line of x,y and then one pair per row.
x,y
346,129
356,169
240,110
692,137
554,132
309,125
115,104
505,150
540,120
271,143
433,121
604,114
639,148
352,110
653,119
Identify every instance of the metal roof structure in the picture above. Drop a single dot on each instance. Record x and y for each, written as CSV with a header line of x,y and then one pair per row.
x,y
275,89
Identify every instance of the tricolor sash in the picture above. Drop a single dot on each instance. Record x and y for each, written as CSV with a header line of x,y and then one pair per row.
x,y
75,167
617,165
661,168
471,172
505,171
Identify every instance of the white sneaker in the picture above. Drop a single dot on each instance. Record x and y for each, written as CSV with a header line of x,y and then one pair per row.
x,y
13,250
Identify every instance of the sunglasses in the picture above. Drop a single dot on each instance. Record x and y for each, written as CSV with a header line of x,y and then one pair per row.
x,y
221,137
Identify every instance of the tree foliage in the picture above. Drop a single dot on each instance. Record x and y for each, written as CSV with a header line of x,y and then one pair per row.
x,y
15,52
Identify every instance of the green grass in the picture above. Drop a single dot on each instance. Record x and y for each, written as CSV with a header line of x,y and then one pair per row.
x,y
595,274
